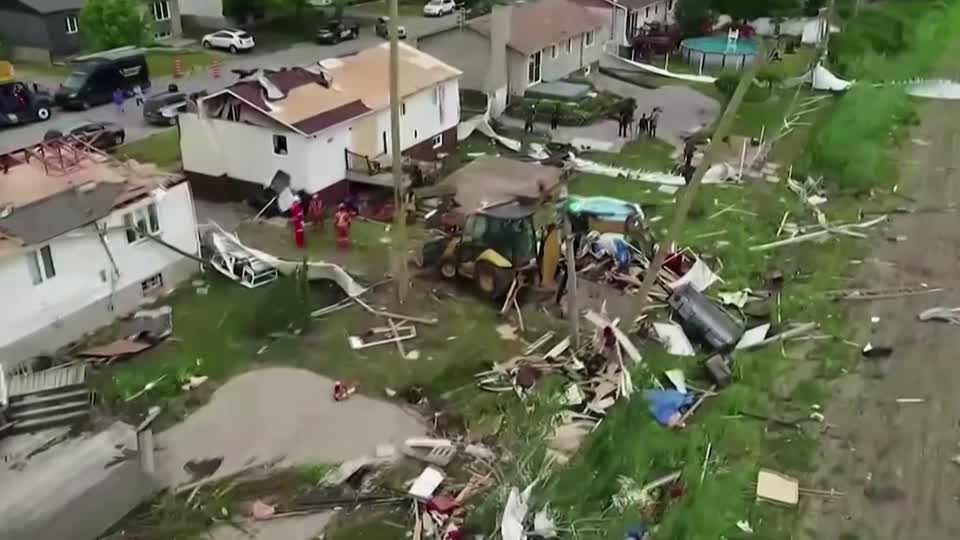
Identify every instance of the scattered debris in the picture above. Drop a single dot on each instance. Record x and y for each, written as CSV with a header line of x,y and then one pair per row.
x,y
777,488
515,512
699,276
947,315
869,351
262,511
425,484
910,400
753,336
744,526
666,405
405,333
115,349
507,332
146,388
435,451
708,321
194,382
678,380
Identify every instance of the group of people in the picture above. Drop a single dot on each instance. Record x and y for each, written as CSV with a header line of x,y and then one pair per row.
x,y
647,125
531,116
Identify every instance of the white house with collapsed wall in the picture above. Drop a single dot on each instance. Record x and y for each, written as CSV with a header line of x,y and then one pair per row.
x,y
321,126
71,256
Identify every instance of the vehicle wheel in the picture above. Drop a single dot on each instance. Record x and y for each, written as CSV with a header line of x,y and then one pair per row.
x,y
487,280
84,104
43,113
336,39
233,49
448,268
206,44
118,140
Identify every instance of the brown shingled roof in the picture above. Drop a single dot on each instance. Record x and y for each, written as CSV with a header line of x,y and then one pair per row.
x,y
536,25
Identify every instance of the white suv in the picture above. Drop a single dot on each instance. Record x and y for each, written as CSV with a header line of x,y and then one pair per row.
x,y
439,8
232,40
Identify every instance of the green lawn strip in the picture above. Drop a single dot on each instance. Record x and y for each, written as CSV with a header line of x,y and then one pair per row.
x,y
161,149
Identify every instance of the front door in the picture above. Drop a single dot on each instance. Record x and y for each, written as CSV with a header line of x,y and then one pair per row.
x,y
533,68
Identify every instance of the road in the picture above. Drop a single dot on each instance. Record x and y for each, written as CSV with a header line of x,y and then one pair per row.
x,y
297,55
894,460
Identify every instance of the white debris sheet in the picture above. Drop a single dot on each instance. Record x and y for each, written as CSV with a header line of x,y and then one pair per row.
x,y
315,269
674,339
515,512
753,336
700,277
425,484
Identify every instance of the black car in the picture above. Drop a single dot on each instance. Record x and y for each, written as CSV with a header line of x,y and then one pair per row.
x,y
337,31
102,135
162,109
97,76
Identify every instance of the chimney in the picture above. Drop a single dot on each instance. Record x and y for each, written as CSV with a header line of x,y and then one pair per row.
x,y
496,81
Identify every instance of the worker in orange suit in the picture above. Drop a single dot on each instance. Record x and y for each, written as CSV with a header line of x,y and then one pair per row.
x,y
342,220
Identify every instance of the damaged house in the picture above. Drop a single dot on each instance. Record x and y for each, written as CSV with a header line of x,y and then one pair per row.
x,y
321,126
77,242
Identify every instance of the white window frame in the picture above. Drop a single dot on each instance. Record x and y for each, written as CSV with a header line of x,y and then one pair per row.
x,y
41,266
570,46
151,284
147,214
646,13
72,23
554,52
437,141
161,10
589,38
277,140
538,63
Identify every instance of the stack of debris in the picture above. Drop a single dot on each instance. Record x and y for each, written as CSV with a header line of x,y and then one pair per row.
x,y
38,400
140,332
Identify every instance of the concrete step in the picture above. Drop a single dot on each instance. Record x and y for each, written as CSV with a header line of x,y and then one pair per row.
x,y
22,414
36,424
51,397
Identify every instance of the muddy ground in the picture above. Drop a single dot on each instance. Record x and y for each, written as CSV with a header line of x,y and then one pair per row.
x,y
893,460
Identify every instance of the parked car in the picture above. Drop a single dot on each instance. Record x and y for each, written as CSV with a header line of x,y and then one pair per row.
x,y
439,8
102,135
231,40
20,104
383,29
97,76
337,31
161,109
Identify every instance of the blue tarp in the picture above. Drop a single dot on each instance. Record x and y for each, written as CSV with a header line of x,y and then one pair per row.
x,y
665,403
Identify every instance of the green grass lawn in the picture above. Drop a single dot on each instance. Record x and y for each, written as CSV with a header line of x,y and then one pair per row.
x,y
162,149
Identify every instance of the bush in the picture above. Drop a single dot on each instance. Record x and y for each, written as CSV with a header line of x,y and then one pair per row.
x,y
572,113
727,84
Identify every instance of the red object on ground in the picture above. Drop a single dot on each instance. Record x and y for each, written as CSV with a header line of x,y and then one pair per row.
x,y
341,224
296,212
442,503
178,67
215,69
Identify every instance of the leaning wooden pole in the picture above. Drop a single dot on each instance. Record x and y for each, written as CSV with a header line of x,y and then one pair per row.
x,y
688,193
400,225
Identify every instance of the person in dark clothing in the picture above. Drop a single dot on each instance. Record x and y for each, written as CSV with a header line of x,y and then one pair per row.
x,y
555,118
653,125
642,125
528,123
624,119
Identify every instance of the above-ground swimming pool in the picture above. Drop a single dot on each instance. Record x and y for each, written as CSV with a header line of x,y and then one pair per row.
x,y
714,52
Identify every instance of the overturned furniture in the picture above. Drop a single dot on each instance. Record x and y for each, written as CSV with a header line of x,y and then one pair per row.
x,y
234,260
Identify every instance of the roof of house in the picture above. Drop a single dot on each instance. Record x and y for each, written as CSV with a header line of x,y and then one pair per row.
x,y
536,25
338,89
638,4
490,180
52,6
38,203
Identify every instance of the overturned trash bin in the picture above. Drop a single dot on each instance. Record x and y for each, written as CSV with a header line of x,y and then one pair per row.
x,y
704,320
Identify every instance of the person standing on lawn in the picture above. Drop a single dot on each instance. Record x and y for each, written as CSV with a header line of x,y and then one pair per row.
x,y
653,124
642,125
531,115
555,118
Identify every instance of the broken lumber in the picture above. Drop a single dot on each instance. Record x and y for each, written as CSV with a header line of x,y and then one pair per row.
x,y
793,332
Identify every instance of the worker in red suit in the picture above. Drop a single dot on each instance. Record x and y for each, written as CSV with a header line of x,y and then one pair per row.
x,y
342,220
296,212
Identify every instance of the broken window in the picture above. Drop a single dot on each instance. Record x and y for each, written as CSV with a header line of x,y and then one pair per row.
x,y
280,145
145,220
40,264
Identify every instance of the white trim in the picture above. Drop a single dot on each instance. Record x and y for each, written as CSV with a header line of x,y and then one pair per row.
x,y
72,28
539,65
161,10
437,141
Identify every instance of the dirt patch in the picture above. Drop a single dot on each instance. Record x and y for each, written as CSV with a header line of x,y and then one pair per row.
x,y
280,413
893,460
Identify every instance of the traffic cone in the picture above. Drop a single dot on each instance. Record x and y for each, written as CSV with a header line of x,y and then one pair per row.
x,y
178,67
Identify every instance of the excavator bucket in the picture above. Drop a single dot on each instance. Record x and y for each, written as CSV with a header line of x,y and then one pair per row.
x,y
551,259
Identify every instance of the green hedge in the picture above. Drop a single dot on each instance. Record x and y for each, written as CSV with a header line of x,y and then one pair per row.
x,y
572,113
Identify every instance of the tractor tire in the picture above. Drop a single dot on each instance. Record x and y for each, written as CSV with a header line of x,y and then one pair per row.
x,y
448,268
493,282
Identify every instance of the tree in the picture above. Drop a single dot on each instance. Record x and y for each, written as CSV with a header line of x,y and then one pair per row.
x,y
107,24
692,15
752,9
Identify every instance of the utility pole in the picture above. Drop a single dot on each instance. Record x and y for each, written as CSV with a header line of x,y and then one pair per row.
x,y
399,243
689,192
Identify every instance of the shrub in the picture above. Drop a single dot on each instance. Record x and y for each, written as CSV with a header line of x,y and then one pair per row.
x,y
572,113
